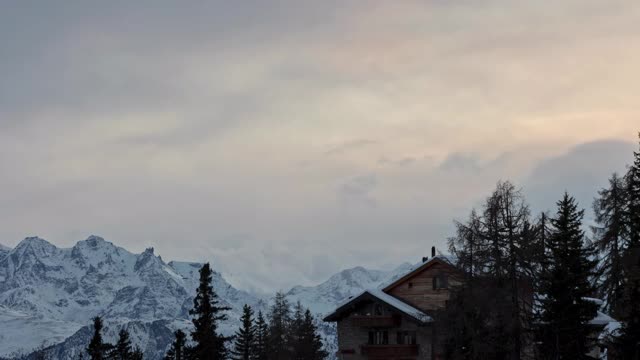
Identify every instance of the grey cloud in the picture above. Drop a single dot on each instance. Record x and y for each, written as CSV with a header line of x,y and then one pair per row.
x,y
581,171
358,191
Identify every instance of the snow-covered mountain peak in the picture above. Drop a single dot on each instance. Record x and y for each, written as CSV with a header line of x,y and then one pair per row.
x,y
35,245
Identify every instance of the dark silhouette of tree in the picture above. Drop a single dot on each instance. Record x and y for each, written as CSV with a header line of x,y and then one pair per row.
x,y
179,349
244,343
308,343
261,351
97,348
565,285
122,350
501,244
628,342
208,312
609,238
279,322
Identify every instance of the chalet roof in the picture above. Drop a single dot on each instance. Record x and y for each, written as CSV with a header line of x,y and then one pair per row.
x,y
443,259
376,294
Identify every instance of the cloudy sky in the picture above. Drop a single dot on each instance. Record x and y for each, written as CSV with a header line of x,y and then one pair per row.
x,y
286,140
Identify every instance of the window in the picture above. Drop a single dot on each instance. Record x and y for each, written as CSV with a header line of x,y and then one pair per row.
x,y
440,281
377,310
378,338
406,337
410,285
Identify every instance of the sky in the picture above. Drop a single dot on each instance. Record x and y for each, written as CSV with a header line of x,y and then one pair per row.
x,y
284,141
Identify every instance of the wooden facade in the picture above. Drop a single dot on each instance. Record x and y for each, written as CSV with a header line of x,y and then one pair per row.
x,y
396,326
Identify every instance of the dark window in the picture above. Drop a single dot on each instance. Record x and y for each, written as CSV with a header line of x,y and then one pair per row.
x,y
406,338
377,310
410,285
378,338
440,282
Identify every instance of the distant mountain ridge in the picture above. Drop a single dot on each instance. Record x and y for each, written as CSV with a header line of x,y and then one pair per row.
x,y
48,296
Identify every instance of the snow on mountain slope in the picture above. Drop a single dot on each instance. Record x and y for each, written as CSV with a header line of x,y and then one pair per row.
x,y
4,250
324,297
49,295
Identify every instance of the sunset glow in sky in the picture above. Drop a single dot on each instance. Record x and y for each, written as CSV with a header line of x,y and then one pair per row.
x,y
287,140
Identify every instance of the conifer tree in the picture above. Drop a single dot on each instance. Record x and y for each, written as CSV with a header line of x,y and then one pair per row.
x,y
610,238
137,354
179,349
97,348
261,351
629,340
209,344
122,350
633,206
310,345
244,345
279,322
566,284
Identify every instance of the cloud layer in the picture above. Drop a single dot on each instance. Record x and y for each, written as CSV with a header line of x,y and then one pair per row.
x,y
286,140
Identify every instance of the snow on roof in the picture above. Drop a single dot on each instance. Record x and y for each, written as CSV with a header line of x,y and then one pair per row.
x,y
387,299
445,258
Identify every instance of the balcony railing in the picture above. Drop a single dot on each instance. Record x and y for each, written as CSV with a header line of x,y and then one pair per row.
x,y
376,321
389,351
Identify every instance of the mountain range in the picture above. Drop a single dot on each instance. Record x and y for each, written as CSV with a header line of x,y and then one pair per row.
x,y
48,296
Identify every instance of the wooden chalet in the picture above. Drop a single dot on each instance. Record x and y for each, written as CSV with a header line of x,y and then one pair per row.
x,y
396,323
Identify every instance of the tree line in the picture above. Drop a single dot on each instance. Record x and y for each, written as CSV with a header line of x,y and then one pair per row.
x,y
530,281
286,333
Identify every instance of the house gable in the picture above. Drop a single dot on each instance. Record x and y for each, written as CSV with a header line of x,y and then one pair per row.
x,y
418,289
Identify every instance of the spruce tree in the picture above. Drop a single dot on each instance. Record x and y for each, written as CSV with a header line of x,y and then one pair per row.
x,y
208,312
308,341
261,350
279,322
629,340
122,350
137,354
244,344
97,348
633,205
566,283
610,238
179,349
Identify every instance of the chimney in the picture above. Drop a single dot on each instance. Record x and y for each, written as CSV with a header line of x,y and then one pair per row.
x,y
433,251
425,258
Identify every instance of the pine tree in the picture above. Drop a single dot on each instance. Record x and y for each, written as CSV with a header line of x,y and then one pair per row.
x,y
279,322
244,345
566,284
261,351
122,350
609,238
97,348
208,312
179,349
